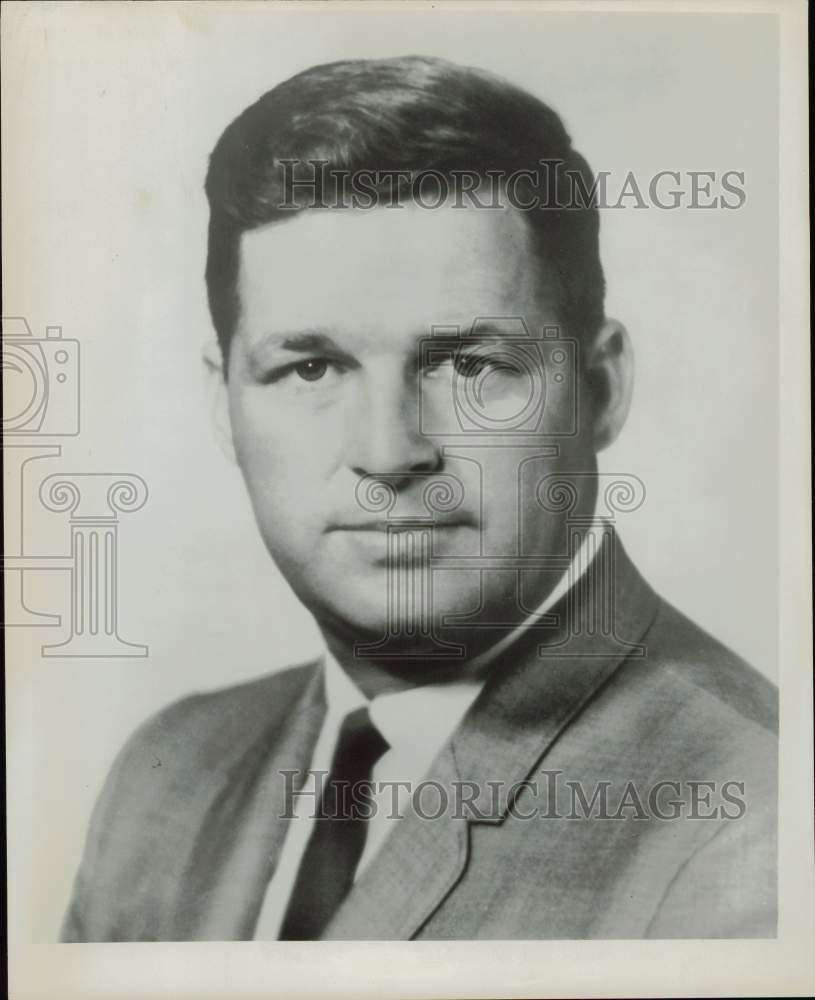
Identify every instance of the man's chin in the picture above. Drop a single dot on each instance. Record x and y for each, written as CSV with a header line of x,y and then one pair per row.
x,y
392,615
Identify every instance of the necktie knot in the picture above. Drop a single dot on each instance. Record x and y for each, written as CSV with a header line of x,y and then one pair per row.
x,y
360,743
347,793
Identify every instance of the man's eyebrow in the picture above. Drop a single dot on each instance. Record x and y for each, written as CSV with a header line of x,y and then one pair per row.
x,y
294,340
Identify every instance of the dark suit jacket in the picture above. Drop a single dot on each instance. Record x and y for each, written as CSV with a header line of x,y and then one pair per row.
x,y
186,833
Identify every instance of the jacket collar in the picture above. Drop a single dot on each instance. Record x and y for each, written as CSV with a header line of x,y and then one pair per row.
x,y
240,829
533,693
541,686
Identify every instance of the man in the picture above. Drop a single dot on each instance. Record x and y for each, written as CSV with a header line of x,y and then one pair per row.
x,y
511,735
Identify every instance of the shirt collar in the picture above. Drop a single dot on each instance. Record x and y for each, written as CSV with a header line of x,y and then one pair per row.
x,y
415,723
341,694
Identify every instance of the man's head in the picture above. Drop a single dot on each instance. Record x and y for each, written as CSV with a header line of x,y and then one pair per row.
x,y
322,313
393,116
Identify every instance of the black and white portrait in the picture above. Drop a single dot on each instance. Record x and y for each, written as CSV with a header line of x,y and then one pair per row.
x,y
393,420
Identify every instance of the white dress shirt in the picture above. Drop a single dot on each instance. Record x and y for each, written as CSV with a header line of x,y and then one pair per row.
x,y
438,708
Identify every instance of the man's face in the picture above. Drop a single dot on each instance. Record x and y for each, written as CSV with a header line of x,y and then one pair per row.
x,y
325,387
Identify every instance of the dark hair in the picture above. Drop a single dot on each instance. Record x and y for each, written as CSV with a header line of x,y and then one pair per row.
x,y
407,114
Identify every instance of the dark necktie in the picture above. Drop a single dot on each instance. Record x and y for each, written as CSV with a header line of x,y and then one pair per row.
x,y
326,871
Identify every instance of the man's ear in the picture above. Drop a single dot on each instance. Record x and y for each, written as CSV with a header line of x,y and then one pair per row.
x,y
609,368
218,398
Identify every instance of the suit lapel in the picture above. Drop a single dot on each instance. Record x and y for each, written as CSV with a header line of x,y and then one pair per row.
x,y
534,691
241,829
537,690
419,862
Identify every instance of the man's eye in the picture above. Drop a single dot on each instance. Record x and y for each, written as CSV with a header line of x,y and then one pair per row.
x,y
311,370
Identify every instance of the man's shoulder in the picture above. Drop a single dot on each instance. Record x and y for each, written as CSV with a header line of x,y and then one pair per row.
x,y
678,681
699,672
150,814
692,705
211,727
189,748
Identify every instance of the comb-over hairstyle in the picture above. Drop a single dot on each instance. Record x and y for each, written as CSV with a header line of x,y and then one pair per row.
x,y
411,114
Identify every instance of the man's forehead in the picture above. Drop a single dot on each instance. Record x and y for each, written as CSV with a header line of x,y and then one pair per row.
x,y
409,266
410,221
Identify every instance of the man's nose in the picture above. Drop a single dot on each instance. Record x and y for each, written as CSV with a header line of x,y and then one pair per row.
x,y
387,438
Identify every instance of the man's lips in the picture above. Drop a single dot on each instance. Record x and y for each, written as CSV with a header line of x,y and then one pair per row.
x,y
401,524
410,542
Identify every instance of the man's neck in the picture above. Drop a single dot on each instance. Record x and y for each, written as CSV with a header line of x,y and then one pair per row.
x,y
377,676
